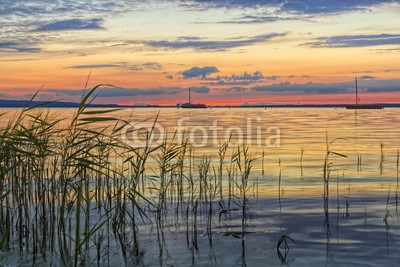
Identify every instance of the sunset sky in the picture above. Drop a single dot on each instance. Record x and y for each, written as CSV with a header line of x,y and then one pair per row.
x,y
227,51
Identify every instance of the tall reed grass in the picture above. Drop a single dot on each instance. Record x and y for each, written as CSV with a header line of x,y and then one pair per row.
x,y
70,186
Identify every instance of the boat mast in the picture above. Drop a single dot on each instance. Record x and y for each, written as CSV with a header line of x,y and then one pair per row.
x,y
190,97
356,92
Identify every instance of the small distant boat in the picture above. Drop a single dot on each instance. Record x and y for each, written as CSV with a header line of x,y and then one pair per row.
x,y
191,105
363,106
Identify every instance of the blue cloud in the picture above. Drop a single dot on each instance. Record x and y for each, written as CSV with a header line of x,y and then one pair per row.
x,y
224,82
284,88
256,19
307,88
298,6
94,66
121,92
367,77
196,72
329,7
368,86
72,24
200,90
18,47
200,44
236,89
247,79
256,76
125,65
356,40
379,86
242,79
65,7
131,92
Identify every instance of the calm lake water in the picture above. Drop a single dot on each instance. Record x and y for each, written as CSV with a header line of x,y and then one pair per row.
x,y
357,224
284,134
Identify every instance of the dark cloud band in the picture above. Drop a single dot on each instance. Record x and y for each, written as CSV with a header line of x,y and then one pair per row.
x,y
72,24
314,7
357,40
201,44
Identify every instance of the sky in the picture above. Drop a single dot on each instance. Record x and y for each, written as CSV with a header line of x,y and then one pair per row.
x,y
230,52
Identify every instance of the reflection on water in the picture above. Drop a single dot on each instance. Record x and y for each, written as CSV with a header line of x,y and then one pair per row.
x,y
288,212
369,139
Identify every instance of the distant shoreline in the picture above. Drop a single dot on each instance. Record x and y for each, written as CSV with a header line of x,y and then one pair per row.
x,y
25,103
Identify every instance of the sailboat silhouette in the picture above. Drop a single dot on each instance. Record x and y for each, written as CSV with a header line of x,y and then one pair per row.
x,y
190,105
362,106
